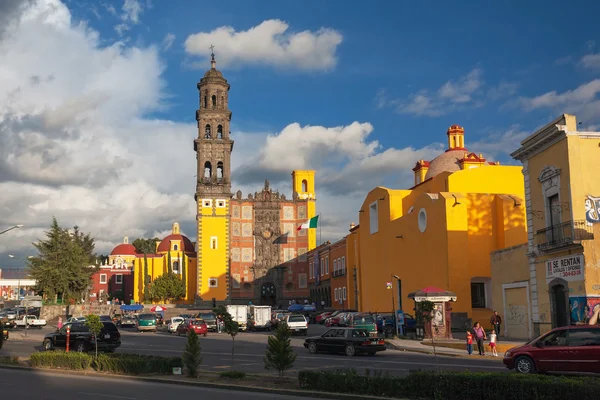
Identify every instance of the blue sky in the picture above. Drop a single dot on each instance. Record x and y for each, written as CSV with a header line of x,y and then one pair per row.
x,y
108,90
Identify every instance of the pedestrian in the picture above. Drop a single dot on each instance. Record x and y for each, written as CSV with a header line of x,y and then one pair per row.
x,y
493,343
469,342
480,336
60,323
496,321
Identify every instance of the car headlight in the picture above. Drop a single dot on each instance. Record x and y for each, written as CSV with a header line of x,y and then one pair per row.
x,y
507,354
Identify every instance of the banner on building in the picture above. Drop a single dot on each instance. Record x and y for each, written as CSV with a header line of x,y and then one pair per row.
x,y
568,268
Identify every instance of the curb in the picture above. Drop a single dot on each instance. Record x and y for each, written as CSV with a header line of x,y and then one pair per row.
x,y
439,353
210,385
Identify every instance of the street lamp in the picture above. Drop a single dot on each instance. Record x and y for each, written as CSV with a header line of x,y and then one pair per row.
x,y
11,228
399,283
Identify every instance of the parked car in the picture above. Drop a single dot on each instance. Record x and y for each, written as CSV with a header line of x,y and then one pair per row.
x,y
75,319
31,321
195,324
320,319
336,320
350,341
160,320
385,324
146,322
210,319
564,349
107,318
363,321
128,320
82,340
277,317
174,323
297,323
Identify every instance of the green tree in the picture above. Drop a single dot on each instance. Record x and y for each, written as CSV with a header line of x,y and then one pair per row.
x,y
230,327
169,263
146,280
62,265
183,275
192,356
95,326
167,287
280,355
145,246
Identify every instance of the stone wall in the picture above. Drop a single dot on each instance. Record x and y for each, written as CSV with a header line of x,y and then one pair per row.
x,y
50,313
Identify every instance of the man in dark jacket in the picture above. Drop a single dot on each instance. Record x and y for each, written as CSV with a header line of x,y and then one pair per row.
x,y
496,321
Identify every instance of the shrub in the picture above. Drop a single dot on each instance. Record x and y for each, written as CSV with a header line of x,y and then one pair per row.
x,y
9,360
453,385
62,360
280,355
192,356
233,374
134,364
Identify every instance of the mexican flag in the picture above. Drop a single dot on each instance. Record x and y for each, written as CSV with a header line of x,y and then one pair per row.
x,y
311,223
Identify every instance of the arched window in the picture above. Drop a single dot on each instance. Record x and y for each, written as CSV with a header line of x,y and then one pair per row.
x,y
214,101
304,186
207,134
207,170
220,132
220,170
205,101
175,247
176,267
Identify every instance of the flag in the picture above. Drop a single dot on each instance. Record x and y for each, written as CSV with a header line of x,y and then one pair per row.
x,y
311,223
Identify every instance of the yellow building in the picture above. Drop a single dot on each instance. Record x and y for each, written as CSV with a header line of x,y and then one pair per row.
x,y
440,232
560,279
176,249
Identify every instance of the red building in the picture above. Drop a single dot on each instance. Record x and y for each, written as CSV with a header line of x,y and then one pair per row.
x,y
114,279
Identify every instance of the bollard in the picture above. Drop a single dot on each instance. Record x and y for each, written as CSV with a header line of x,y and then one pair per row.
x,y
68,337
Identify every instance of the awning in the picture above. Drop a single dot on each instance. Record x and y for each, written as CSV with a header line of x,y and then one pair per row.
x,y
132,307
433,294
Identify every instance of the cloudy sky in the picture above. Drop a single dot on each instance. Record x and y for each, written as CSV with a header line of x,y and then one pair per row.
x,y
97,99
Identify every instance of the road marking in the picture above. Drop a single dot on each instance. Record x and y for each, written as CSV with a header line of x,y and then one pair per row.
x,y
106,395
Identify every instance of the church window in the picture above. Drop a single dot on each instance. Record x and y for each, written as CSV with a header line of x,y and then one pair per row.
x,y
213,242
205,101
175,247
221,203
119,279
220,171
176,267
207,169
213,282
220,132
207,134
304,186
214,101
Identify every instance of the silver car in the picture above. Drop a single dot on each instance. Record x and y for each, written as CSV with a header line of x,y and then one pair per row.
x,y
128,320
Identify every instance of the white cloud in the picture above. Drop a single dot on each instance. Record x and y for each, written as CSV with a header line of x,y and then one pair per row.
x,y
168,41
591,61
269,43
498,144
132,9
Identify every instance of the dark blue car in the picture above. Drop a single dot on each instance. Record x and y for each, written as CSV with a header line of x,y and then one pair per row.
x,y
385,323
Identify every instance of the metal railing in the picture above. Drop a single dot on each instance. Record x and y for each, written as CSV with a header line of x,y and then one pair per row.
x,y
340,272
563,234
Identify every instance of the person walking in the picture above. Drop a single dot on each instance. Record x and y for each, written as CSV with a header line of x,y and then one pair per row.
x,y
493,343
480,336
469,342
496,321
60,323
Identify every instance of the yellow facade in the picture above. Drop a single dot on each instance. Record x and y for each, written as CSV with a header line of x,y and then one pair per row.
x,y
441,232
560,166
303,183
213,249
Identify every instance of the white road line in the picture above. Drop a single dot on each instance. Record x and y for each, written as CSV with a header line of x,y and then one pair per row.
x,y
106,395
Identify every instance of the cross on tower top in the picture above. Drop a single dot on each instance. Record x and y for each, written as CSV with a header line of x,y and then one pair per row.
x,y
212,50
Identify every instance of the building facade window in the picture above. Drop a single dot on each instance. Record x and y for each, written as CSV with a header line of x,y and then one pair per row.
x,y
102,278
213,243
335,267
478,298
176,267
344,292
175,247
343,265
213,283
335,294
322,266
119,279
327,265
373,218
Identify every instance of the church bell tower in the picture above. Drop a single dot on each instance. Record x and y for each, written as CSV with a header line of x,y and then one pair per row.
x,y
213,148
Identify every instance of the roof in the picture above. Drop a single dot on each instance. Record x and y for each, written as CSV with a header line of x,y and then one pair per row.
x,y
124,249
165,244
448,161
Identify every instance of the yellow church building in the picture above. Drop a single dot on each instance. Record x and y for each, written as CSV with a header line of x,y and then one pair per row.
x,y
440,232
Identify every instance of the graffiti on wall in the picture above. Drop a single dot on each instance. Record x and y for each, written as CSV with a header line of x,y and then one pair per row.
x,y
582,308
592,209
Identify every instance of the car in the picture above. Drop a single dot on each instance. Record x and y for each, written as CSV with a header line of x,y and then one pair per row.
x,y
297,323
566,349
106,318
82,340
174,323
128,320
146,322
210,319
350,341
363,321
75,319
195,324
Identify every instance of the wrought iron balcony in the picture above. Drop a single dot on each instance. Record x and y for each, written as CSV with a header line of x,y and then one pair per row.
x,y
564,234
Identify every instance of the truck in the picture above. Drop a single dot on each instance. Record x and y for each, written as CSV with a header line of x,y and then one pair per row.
x,y
30,320
239,313
261,317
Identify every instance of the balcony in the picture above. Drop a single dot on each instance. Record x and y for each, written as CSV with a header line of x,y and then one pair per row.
x,y
562,235
339,273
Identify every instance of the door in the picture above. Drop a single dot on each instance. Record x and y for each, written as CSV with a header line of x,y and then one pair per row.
x,y
559,301
584,346
327,341
339,340
60,340
516,313
554,353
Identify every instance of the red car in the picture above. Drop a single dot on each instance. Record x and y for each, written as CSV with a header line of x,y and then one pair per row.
x,y
334,320
564,349
198,325
322,317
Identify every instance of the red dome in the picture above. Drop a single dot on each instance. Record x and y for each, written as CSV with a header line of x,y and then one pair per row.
x,y
165,244
124,249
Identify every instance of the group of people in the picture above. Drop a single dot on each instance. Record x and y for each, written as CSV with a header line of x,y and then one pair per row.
x,y
478,334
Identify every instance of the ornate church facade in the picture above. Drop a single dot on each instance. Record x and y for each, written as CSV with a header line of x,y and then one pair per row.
x,y
249,248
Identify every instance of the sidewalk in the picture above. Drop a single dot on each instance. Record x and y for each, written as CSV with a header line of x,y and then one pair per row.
x,y
443,348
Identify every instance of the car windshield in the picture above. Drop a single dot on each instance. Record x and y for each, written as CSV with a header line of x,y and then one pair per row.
x,y
196,321
146,317
363,319
207,316
296,318
110,327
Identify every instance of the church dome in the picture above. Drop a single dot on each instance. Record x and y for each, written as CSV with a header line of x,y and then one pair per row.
x,y
213,73
445,162
165,244
124,249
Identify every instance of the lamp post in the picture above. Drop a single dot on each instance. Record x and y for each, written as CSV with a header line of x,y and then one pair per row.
x,y
394,303
11,228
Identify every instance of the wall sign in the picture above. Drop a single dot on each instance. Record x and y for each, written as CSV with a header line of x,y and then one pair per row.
x,y
568,268
592,209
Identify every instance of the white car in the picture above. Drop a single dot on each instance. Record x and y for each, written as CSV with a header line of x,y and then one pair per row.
x,y
297,323
175,321
30,320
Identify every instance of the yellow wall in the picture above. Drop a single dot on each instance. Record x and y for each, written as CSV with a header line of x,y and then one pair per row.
x,y
213,263
308,176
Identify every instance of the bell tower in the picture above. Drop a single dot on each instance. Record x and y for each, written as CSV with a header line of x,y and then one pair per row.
x,y
213,147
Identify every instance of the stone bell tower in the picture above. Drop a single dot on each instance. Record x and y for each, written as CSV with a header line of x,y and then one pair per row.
x,y
213,148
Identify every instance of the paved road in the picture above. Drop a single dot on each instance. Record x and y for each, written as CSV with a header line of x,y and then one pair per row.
x,y
250,347
52,386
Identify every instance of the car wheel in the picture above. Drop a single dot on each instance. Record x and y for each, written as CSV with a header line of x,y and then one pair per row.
x,y
312,347
524,365
80,347
350,350
48,345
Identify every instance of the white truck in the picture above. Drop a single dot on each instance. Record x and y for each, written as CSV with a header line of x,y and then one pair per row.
x,y
239,313
30,320
261,317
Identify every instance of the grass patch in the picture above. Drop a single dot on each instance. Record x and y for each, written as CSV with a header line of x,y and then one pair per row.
x,y
233,374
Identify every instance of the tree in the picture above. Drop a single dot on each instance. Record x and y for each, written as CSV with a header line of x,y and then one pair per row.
x,y
145,246
169,263
425,314
95,326
62,264
230,327
280,355
146,280
183,275
167,287
192,356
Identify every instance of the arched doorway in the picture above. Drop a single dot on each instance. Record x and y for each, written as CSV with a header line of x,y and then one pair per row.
x,y
268,294
559,302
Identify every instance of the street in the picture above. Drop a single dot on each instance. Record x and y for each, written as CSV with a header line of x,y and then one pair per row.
x,y
58,386
250,348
